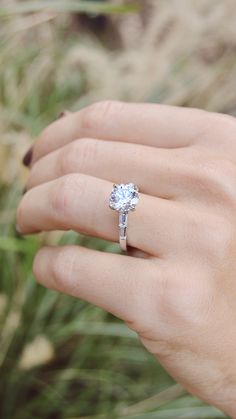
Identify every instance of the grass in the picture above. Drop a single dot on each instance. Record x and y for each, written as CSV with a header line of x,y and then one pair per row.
x,y
60,357
94,7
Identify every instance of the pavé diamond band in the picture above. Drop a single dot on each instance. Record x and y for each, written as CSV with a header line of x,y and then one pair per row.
x,y
124,198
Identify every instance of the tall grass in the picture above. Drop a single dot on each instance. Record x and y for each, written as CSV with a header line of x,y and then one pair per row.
x,y
60,357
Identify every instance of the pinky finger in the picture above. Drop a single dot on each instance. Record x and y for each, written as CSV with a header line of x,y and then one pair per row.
x,y
122,285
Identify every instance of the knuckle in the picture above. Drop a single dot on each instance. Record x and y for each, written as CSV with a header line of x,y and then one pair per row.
x,y
78,155
62,194
220,240
95,115
61,269
65,160
218,176
87,152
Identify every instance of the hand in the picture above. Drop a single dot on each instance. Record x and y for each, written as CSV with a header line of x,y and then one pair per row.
x,y
180,298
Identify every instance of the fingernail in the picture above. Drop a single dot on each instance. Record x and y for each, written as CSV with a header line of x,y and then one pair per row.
x,y
24,190
28,157
62,114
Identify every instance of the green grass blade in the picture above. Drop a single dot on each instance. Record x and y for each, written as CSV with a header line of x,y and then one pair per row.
x,y
11,244
92,7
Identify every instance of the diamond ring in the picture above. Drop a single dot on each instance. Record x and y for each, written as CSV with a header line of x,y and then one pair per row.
x,y
124,198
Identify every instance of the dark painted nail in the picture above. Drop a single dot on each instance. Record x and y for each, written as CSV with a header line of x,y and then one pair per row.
x,y
28,157
62,114
24,191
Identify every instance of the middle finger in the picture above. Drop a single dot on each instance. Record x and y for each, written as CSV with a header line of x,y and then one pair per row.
x,y
115,162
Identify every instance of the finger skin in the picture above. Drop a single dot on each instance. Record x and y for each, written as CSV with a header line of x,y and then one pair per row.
x,y
184,312
186,174
157,172
112,282
158,227
150,124
81,203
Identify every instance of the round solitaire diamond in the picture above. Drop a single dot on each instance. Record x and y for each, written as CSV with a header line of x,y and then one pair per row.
x,y
124,197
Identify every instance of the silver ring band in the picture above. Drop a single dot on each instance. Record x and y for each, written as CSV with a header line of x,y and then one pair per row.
x,y
124,198
123,222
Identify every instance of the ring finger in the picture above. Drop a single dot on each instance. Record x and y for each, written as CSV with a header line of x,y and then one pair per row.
x,y
80,202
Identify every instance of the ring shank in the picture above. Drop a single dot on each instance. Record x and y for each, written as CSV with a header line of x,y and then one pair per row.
x,y
123,222
123,244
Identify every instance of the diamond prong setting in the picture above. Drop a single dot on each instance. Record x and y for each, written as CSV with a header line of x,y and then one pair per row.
x,y
124,197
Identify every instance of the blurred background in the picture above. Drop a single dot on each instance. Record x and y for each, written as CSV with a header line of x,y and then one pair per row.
x,y
61,358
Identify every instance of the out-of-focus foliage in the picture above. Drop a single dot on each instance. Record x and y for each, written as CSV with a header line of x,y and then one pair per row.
x,y
59,357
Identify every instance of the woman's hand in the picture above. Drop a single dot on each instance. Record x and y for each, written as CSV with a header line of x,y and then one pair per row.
x,y
180,298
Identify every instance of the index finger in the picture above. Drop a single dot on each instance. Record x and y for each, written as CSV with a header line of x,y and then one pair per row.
x,y
142,123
